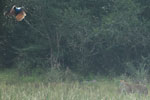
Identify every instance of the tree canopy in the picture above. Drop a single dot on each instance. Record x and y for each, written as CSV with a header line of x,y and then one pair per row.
x,y
86,36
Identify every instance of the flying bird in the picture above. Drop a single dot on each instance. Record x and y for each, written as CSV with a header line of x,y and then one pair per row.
x,y
18,12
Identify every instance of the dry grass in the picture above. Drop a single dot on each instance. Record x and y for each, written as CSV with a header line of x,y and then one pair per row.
x,y
30,88
101,90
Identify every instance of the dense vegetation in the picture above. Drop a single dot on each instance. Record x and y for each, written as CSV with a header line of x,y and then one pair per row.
x,y
108,37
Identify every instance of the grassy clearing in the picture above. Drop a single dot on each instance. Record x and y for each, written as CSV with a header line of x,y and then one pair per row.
x,y
28,89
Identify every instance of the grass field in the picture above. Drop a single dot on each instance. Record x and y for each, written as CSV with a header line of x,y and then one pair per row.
x,y
29,88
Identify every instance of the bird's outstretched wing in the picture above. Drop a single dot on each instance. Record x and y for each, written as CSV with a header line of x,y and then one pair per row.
x,y
10,12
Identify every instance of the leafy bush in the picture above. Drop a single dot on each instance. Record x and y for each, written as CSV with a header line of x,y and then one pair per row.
x,y
139,71
55,74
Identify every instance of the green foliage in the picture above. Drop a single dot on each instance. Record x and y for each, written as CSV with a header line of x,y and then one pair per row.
x,y
124,35
88,37
139,72
54,74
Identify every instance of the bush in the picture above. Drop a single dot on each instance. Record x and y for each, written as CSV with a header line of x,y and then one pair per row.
x,y
138,70
55,74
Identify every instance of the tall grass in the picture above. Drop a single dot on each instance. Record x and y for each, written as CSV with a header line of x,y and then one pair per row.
x,y
101,90
25,89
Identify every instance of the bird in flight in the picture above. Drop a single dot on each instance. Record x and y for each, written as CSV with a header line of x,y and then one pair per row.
x,y
18,12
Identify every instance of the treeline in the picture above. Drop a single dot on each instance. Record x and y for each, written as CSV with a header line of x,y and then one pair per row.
x,y
86,36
